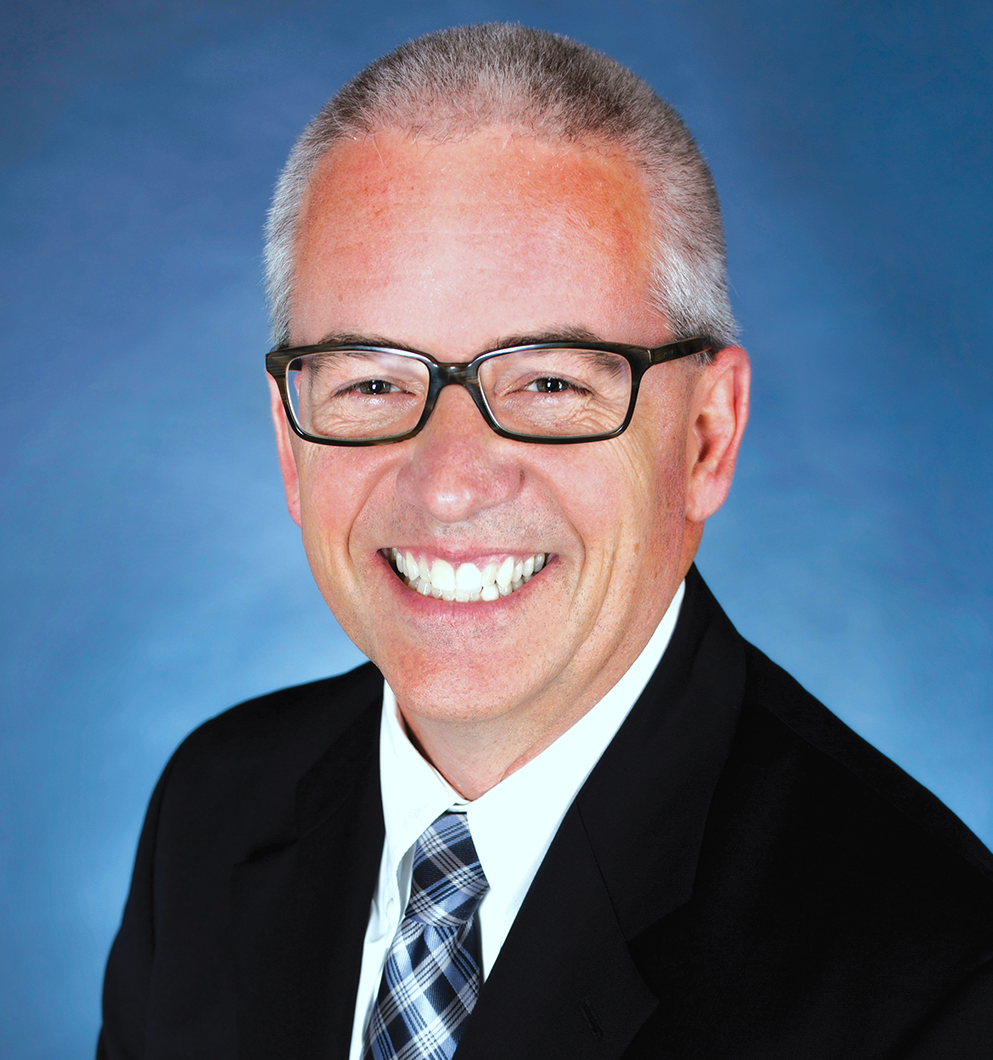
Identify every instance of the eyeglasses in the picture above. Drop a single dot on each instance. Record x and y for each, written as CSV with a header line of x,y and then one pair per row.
x,y
547,392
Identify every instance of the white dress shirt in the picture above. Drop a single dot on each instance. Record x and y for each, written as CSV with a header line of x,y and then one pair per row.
x,y
512,824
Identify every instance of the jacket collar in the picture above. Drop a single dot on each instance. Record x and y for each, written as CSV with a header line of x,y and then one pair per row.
x,y
301,904
645,805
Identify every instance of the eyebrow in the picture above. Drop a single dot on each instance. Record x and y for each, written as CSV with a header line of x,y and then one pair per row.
x,y
354,338
563,334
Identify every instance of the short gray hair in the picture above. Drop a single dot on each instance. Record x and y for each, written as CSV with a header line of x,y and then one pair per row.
x,y
449,84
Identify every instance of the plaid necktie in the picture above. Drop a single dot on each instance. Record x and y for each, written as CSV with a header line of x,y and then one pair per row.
x,y
432,975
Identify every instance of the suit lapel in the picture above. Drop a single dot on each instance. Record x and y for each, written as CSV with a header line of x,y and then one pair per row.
x,y
301,907
564,986
645,805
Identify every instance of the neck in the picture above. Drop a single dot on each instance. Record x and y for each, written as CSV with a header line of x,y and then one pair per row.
x,y
476,753
475,756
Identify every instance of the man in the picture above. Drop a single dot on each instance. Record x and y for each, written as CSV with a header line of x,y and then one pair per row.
x,y
582,817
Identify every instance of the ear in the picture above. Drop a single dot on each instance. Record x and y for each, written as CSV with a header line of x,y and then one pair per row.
x,y
719,411
287,458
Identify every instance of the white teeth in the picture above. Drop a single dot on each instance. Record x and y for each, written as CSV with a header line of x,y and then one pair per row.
x,y
468,579
465,582
505,574
443,575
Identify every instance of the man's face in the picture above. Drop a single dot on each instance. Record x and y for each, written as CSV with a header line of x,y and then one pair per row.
x,y
453,249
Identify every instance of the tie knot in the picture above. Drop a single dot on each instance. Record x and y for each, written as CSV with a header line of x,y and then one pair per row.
x,y
448,883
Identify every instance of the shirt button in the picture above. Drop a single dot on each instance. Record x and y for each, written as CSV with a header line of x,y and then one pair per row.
x,y
390,907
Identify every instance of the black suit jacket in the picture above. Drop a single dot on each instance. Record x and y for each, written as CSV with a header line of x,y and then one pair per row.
x,y
740,877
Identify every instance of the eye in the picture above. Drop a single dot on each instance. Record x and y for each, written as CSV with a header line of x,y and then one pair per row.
x,y
373,387
551,385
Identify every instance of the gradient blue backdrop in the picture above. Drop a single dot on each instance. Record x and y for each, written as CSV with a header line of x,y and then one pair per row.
x,y
150,574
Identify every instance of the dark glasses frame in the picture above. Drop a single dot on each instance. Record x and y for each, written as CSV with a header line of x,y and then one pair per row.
x,y
458,373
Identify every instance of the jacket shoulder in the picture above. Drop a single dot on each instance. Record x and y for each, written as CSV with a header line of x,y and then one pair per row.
x,y
838,908
231,787
299,721
811,734
239,771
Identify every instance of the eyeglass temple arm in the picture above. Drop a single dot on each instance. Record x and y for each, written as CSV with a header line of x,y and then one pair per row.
x,y
673,351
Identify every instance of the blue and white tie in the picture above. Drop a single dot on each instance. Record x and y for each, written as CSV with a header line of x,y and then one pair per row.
x,y
432,974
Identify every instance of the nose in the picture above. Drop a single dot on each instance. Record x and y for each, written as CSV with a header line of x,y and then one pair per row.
x,y
457,466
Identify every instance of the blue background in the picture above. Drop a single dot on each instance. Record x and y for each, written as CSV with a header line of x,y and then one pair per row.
x,y
150,574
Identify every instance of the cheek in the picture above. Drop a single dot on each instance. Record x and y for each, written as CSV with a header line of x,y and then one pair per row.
x,y
337,487
647,495
622,498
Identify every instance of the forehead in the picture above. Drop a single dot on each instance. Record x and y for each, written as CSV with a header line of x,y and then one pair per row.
x,y
499,227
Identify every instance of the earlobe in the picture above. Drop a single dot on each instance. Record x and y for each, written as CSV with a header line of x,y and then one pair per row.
x,y
719,414
287,458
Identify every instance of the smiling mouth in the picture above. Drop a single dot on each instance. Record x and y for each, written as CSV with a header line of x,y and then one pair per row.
x,y
465,582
